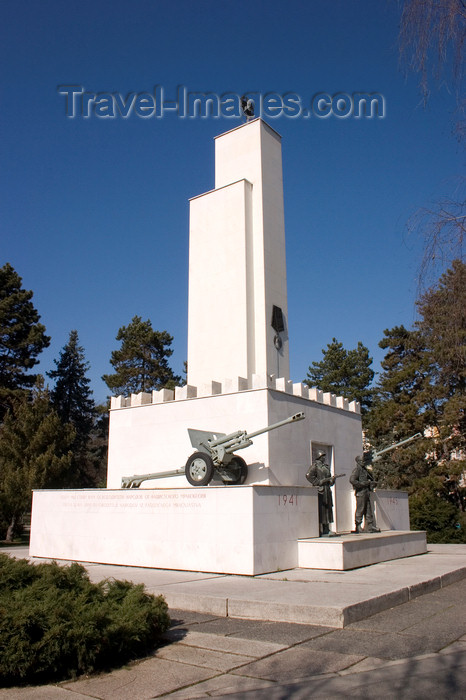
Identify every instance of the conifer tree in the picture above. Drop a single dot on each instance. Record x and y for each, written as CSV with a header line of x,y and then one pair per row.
x,y
423,389
72,397
442,324
35,452
141,363
22,338
94,467
403,388
344,372
423,383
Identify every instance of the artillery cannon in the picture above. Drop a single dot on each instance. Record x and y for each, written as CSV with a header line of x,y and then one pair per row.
x,y
214,454
372,456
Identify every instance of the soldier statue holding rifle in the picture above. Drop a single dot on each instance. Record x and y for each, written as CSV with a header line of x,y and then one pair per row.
x,y
363,483
319,475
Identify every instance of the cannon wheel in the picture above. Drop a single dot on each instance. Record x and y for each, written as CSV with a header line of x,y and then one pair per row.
x,y
237,466
199,469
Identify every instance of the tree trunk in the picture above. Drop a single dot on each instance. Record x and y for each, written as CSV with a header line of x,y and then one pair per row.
x,y
10,533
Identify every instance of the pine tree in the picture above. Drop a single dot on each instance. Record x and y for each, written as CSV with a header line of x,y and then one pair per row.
x,y
437,503
141,363
22,338
94,467
404,404
423,385
35,452
423,389
72,397
403,385
442,323
344,372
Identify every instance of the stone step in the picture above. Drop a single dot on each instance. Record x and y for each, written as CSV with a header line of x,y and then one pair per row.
x,y
351,551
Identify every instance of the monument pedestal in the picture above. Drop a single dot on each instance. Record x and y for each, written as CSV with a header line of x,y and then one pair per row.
x,y
247,530
353,551
220,529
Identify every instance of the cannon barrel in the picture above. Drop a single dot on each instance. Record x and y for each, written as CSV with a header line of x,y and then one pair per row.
x,y
291,419
227,438
242,436
378,453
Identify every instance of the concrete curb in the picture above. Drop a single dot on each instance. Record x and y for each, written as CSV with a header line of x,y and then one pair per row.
x,y
307,596
287,601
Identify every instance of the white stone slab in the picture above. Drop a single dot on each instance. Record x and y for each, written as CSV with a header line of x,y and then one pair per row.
x,y
117,402
341,402
209,389
163,395
235,529
230,385
185,392
300,389
284,384
391,509
316,394
330,399
140,399
353,551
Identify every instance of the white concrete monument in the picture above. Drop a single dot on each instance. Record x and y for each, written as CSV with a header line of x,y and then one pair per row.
x,y
238,379
237,268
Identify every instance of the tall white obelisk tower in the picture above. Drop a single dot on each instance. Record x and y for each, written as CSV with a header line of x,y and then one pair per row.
x,y
237,324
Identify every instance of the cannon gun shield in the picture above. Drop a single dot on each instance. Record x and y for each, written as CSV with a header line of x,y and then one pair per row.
x,y
201,438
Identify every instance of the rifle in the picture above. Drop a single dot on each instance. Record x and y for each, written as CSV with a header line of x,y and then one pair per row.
x,y
329,480
332,478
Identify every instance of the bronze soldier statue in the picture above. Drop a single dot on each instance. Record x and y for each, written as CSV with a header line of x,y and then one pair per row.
x,y
319,475
363,483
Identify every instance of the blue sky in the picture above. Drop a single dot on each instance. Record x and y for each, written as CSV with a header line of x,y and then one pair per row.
x,y
94,212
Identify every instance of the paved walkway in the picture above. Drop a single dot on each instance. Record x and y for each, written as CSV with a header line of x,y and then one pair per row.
x,y
414,645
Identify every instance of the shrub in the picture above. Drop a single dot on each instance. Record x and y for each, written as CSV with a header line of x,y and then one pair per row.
x,y
442,521
56,624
